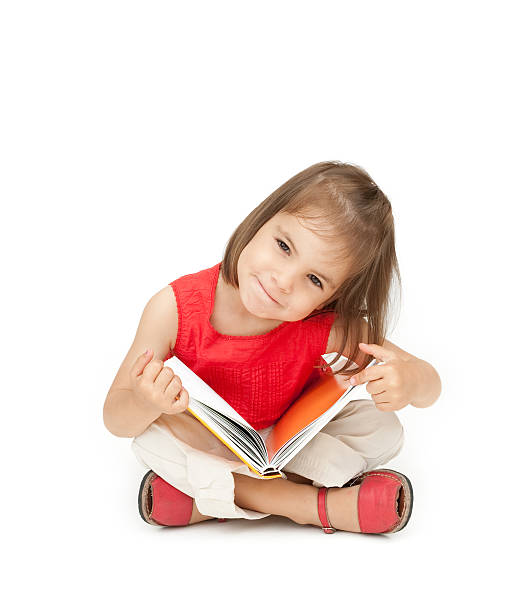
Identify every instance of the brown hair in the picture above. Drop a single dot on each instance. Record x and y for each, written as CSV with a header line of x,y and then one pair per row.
x,y
354,212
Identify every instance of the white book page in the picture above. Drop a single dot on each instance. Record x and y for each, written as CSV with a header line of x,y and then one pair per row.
x,y
234,439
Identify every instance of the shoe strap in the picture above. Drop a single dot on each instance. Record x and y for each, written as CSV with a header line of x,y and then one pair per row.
x,y
323,512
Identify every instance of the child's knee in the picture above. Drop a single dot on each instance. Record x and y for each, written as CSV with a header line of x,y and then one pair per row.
x,y
388,437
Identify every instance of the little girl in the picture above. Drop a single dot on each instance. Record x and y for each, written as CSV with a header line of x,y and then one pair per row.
x,y
308,272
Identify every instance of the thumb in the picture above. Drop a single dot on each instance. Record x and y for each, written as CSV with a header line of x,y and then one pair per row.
x,y
142,361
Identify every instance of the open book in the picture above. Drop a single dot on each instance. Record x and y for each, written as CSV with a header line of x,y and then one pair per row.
x,y
304,418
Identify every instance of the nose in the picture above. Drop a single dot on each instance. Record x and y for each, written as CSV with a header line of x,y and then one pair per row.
x,y
283,281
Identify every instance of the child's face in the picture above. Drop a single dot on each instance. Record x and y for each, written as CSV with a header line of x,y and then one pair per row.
x,y
292,275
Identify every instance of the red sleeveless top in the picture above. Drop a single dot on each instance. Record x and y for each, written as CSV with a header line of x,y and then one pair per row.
x,y
259,376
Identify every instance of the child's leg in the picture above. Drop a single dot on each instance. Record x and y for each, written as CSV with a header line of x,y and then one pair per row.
x,y
196,517
294,500
297,501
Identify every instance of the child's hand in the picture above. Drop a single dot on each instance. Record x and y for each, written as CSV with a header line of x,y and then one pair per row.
x,y
392,381
156,387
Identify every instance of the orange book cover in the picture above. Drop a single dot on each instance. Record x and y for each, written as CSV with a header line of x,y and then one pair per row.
x,y
313,402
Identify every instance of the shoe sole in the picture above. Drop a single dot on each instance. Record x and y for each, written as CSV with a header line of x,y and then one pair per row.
x,y
409,494
143,494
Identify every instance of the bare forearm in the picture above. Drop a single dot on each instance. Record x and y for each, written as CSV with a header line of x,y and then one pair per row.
x,y
428,387
123,417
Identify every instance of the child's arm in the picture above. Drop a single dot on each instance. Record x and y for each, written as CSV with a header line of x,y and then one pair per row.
x,y
123,416
127,412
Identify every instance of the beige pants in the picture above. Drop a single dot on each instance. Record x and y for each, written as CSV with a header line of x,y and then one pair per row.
x,y
188,456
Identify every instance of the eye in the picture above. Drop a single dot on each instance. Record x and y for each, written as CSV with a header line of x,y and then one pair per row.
x,y
318,281
280,242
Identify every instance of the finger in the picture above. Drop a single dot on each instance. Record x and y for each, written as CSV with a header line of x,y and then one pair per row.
x,y
376,350
383,406
152,370
376,387
183,402
173,388
374,372
141,361
163,378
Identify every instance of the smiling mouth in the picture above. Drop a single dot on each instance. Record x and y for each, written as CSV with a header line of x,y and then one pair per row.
x,y
272,299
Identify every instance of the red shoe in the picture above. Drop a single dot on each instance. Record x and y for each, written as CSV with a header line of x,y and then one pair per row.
x,y
159,503
380,495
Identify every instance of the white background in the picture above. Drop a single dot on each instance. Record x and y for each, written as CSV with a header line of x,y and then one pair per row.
x,y
135,137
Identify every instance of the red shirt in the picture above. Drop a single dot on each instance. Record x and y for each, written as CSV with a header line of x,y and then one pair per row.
x,y
259,376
